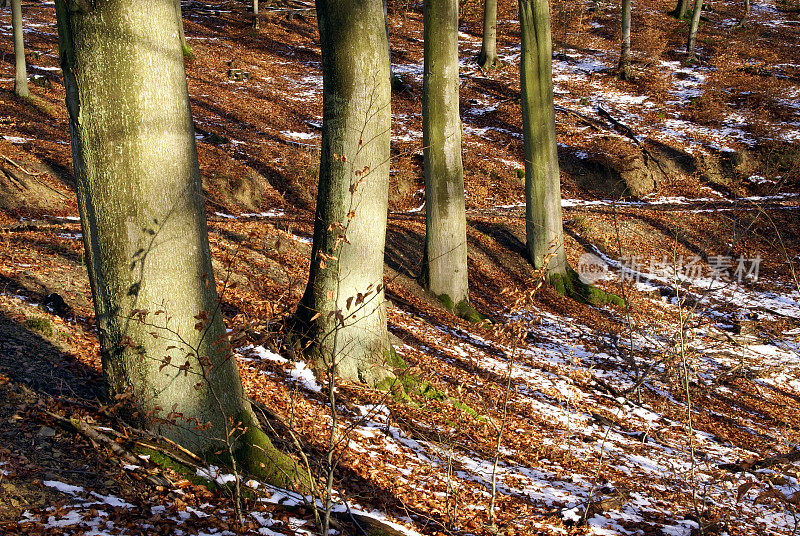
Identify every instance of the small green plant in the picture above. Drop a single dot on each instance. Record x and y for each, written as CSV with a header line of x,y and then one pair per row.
x,y
40,324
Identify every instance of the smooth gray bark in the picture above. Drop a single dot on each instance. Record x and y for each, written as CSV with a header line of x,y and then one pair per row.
x,y
445,258
144,228
690,45
625,49
21,74
487,58
543,223
344,305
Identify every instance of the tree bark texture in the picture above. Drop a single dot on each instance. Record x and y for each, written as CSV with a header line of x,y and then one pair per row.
x,y
680,9
144,228
690,46
344,304
185,48
445,258
487,58
543,223
21,74
625,49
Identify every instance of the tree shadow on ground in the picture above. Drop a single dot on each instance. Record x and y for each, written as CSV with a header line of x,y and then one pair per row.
x,y
29,359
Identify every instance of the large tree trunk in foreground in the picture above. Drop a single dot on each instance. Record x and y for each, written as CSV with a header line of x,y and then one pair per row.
x,y
343,305
147,253
21,79
444,270
543,225
487,58
690,46
625,49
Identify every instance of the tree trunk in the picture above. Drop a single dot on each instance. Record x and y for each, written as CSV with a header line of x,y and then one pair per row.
x,y
680,9
343,305
625,51
543,225
145,237
746,14
487,59
185,48
21,79
444,270
690,46
256,24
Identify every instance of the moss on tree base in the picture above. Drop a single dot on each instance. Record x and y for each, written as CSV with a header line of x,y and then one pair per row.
x,y
462,309
570,285
259,457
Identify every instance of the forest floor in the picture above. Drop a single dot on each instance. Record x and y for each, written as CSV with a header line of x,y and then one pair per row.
x,y
684,179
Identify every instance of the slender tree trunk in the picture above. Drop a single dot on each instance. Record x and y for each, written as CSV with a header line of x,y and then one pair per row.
x,y
145,237
344,304
445,258
680,9
487,59
543,225
256,23
625,50
690,46
21,80
187,50
746,14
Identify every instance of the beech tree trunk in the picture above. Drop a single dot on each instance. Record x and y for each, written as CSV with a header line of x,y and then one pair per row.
x,y
444,270
343,305
690,46
543,224
487,58
256,24
21,78
680,9
625,50
145,237
187,50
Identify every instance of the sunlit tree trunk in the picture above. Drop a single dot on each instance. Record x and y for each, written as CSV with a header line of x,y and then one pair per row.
x,y
145,237
690,46
187,50
21,78
625,49
544,230
255,15
344,304
487,58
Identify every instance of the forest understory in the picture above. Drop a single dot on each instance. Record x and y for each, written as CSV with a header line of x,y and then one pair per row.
x,y
677,413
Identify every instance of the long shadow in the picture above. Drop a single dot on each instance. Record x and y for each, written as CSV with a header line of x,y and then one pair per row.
x,y
29,359
403,251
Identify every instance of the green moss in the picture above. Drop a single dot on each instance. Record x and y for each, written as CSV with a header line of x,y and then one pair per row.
x,y
187,51
447,301
405,385
395,360
167,462
259,457
570,285
40,324
465,310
